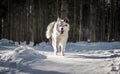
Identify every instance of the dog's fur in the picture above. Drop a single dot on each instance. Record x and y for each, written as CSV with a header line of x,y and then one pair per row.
x,y
57,33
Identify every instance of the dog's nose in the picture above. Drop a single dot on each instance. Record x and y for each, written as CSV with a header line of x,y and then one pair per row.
x,y
61,28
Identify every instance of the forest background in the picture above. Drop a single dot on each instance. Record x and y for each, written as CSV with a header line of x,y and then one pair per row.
x,y
90,20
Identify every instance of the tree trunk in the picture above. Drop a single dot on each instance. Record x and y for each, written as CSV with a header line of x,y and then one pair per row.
x,y
92,20
81,22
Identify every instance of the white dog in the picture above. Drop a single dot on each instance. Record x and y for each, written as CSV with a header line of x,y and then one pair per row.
x,y
57,33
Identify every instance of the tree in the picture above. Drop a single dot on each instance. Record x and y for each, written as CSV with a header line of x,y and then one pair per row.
x,y
81,22
26,20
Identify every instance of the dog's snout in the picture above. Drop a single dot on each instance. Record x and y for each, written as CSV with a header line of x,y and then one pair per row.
x,y
61,28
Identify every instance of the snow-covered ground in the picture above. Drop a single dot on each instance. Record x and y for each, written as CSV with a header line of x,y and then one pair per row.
x,y
80,58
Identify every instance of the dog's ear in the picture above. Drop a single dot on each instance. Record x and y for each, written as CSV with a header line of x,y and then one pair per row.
x,y
66,20
58,19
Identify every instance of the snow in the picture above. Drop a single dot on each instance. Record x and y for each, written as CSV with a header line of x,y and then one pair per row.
x,y
22,53
6,42
80,58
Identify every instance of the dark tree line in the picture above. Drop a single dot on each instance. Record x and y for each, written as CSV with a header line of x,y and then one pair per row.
x,y
94,20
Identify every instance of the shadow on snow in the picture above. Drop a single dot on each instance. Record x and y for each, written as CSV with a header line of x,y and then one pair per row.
x,y
93,56
12,67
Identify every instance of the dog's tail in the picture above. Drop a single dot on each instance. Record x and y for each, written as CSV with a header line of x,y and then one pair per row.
x,y
50,30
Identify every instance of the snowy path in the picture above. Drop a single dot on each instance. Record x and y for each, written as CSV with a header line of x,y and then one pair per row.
x,y
73,63
39,59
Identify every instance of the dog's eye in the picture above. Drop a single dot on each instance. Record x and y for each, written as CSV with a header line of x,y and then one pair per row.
x,y
65,24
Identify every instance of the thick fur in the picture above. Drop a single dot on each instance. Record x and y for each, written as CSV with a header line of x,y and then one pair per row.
x,y
57,32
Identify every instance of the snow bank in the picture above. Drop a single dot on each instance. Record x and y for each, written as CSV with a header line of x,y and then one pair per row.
x,y
17,61
81,46
85,46
6,42
22,54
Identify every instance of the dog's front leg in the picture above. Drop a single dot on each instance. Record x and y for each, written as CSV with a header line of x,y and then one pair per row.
x,y
55,46
63,49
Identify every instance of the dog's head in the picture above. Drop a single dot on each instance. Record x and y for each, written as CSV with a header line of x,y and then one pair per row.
x,y
62,25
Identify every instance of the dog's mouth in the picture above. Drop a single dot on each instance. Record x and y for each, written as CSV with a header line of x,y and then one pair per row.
x,y
61,32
